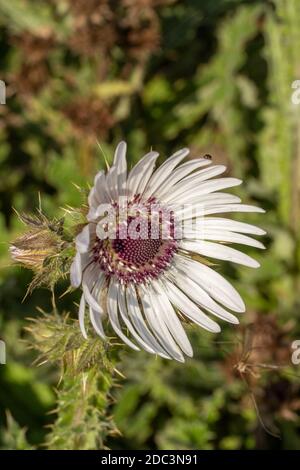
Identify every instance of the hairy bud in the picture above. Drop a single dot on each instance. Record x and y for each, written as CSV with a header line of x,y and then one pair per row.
x,y
43,249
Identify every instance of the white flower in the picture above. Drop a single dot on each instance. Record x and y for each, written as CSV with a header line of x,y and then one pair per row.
x,y
143,284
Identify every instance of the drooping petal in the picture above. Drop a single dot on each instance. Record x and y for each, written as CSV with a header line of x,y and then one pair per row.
x,y
96,320
126,319
212,282
198,295
189,309
112,308
81,314
91,275
91,300
171,320
75,271
152,314
140,325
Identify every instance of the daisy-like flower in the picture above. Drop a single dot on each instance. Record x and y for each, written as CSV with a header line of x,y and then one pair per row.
x,y
148,269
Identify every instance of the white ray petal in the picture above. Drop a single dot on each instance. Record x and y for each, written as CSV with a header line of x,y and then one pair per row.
x,y
152,313
164,171
112,183
197,206
217,251
221,236
96,315
121,164
97,195
81,314
94,198
204,174
188,308
92,213
112,308
75,271
180,172
192,183
223,208
219,223
146,176
99,285
86,259
212,282
171,320
91,275
82,240
204,188
198,295
140,174
125,317
101,187
91,300
96,320
138,321
213,199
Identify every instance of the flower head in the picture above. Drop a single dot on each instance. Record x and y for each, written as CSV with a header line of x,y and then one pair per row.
x,y
143,257
43,249
41,242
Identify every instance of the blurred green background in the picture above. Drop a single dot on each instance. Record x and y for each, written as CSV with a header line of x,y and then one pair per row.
x,y
215,76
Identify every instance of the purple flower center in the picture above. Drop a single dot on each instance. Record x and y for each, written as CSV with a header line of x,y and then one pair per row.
x,y
138,255
137,252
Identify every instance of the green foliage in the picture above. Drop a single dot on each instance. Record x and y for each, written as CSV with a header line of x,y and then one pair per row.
x,y
279,149
215,76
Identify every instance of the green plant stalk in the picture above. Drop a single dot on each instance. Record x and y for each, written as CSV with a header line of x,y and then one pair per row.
x,y
82,402
88,374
